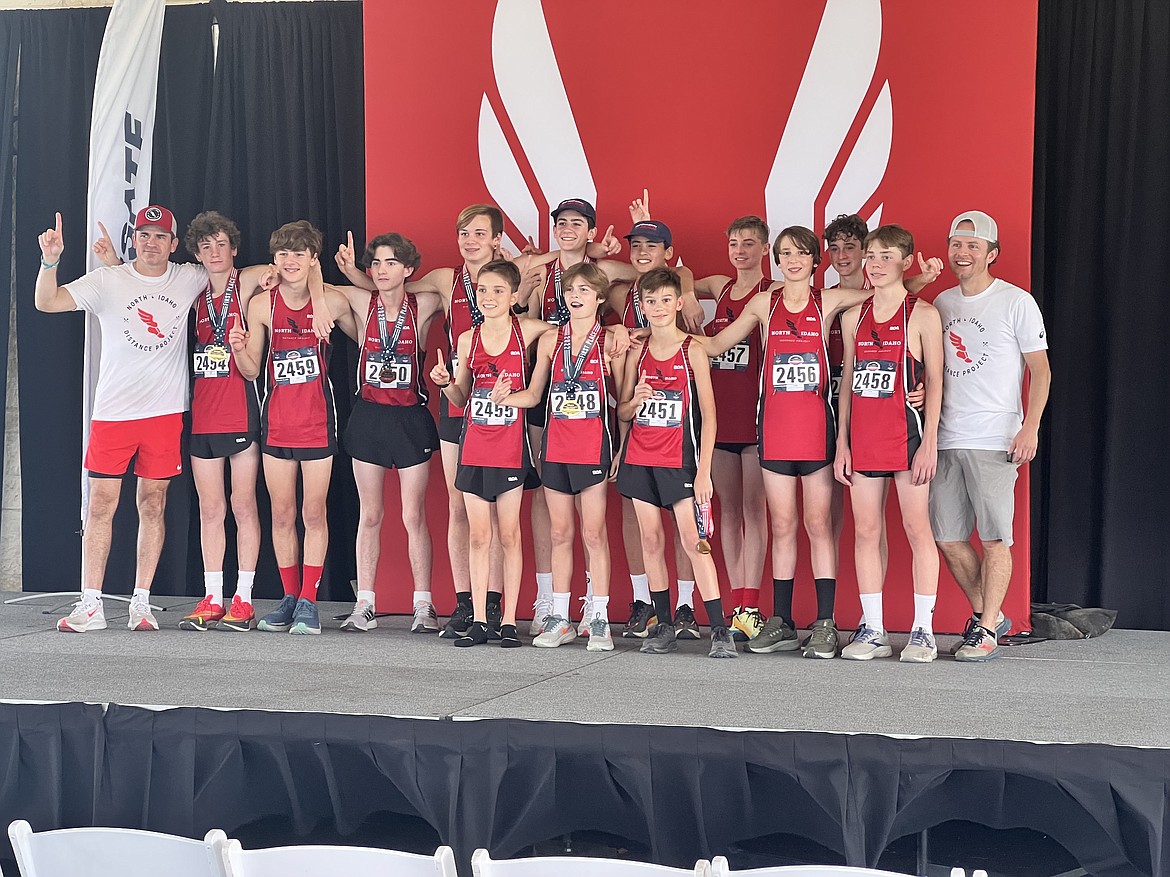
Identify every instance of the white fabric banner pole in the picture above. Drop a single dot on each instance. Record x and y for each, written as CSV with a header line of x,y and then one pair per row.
x,y
121,137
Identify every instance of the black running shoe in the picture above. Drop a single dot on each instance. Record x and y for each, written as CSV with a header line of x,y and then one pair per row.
x,y
460,621
685,626
476,635
509,637
642,618
660,641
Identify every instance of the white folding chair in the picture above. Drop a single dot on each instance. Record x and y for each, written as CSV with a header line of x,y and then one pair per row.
x,y
483,865
959,872
112,852
720,868
326,861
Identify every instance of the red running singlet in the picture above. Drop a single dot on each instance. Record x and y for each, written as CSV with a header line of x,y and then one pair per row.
x,y
665,430
494,435
632,316
794,415
463,314
395,379
222,398
884,431
577,416
552,304
735,374
298,401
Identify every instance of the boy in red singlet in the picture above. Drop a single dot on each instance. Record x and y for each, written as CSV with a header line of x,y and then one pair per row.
x,y
735,468
495,462
577,450
666,461
892,340
298,420
796,429
390,426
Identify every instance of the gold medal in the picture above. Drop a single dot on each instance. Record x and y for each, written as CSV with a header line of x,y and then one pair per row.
x,y
218,353
570,407
386,375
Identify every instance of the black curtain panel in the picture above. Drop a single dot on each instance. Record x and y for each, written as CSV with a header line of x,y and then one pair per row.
x,y
9,53
288,143
1102,180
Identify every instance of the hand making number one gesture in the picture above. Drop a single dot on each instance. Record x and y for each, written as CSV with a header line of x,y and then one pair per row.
x,y
52,244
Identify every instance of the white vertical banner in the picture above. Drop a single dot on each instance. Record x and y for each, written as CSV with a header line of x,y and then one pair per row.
x,y
121,138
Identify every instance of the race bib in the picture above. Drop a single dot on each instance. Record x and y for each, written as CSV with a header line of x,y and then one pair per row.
x,y
874,378
733,359
835,383
485,412
389,373
582,404
297,366
796,373
212,361
663,410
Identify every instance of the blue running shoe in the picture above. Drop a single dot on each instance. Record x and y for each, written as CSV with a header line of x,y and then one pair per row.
x,y
305,619
280,619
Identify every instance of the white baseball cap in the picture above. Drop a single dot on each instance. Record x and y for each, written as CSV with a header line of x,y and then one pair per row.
x,y
984,226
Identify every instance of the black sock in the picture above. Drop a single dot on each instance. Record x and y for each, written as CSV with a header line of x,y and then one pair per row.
x,y
494,597
826,596
463,598
661,600
715,614
782,599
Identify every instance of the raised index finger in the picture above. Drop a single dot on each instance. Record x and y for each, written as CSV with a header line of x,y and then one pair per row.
x,y
58,223
349,240
105,233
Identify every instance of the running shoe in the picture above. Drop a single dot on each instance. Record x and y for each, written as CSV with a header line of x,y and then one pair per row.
x,y
509,637
660,641
746,624
361,618
685,626
280,619
921,648
978,646
541,609
642,618
495,616
1002,626
722,645
867,644
425,620
305,619
86,615
586,616
555,631
475,635
141,617
775,636
824,641
239,616
204,616
600,639
459,622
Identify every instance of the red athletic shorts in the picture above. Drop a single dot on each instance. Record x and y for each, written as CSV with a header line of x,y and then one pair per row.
x,y
155,441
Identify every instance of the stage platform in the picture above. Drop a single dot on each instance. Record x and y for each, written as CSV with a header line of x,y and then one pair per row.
x,y
678,756
1113,690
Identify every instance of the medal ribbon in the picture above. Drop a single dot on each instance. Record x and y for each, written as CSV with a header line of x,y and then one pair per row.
x,y
218,319
390,342
640,320
472,302
562,314
573,368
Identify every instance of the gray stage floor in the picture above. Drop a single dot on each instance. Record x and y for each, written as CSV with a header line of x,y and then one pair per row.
x,y
1110,690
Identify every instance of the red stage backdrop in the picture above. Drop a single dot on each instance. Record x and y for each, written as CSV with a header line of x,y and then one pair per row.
x,y
909,112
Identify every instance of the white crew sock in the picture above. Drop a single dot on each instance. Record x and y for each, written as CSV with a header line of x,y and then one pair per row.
x,y
686,594
588,586
544,590
641,587
141,595
871,607
91,595
423,597
244,582
924,612
600,608
560,604
213,586
368,596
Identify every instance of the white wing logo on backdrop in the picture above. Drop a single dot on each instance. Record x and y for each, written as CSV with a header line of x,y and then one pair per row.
x,y
829,98
534,98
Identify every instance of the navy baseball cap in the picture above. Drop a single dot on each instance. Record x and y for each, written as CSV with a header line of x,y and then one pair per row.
x,y
577,205
652,230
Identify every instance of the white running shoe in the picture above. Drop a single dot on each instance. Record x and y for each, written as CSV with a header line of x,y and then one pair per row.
x,y
556,631
425,620
541,609
586,616
141,618
86,615
599,637
361,618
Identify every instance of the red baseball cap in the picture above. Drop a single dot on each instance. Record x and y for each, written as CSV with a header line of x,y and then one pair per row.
x,y
156,215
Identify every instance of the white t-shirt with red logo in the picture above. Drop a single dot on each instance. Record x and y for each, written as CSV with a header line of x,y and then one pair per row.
x,y
984,339
142,371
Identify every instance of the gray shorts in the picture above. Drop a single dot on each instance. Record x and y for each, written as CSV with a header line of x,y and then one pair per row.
x,y
972,486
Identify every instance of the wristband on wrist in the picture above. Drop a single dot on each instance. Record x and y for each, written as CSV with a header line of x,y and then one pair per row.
x,y
46,265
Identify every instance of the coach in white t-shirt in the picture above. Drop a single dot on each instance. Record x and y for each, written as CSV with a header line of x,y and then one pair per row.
x,y
991,332
141,308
